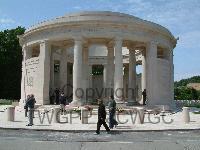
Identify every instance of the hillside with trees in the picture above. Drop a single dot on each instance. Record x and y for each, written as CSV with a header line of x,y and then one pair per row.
x,y
182,92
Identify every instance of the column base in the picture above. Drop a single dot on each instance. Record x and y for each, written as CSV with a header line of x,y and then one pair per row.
x,y
75,103
132,103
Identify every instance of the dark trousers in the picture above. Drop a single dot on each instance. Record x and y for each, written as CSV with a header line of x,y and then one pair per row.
x,y
31,115
57,100
144,100
112,120
26,112
99,123
52,99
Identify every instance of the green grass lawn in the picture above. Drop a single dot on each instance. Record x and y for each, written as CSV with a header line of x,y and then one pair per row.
x,y
5,102
198,112
197,105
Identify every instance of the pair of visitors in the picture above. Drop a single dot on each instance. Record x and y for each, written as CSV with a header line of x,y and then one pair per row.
x,y
102,115
62,100
30,104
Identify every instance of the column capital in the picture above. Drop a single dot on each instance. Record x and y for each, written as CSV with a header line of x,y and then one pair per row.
x,y
110,44
117,38
143,51
152,42
85,45
44,41
77,38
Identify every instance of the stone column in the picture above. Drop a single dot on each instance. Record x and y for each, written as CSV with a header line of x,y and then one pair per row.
x,y
23,86
85,73
44,73
118,75
63,70
151,71
105,75
77,73
143,79
171,77
90,76
105,80
110,69
132,78
52,70
90,91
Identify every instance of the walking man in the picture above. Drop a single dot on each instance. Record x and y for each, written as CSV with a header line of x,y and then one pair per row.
x,y
101,117
112,111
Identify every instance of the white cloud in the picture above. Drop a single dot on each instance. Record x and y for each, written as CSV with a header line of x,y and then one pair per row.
x,y
7,21
179,76
190,39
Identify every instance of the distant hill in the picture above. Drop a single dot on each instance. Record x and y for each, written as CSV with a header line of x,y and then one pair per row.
x,y
195,86
184,82
187,89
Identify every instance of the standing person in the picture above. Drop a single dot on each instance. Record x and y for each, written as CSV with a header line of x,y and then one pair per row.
x,y
25,107
52,96
30,105
57,96
101,117
144,95
112,111
62,102
32,96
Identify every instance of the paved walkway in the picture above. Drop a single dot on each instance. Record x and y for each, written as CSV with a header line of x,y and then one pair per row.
x,y
127,122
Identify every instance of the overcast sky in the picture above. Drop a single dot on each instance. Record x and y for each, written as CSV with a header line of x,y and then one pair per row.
x,y
181,17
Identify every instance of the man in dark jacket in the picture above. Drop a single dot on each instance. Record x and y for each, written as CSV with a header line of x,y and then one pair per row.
x,y
101,117
112,111
30,103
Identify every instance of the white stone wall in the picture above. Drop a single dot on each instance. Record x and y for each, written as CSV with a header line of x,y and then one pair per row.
x,y
163,83
31,76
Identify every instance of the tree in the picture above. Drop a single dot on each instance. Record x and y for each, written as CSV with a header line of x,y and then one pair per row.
x,y
10,63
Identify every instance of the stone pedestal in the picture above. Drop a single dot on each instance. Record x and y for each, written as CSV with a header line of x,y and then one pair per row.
x,y
56,115
186,115
84,116
10,113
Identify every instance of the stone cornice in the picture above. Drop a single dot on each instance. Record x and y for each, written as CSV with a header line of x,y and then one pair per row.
x,y
112,19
